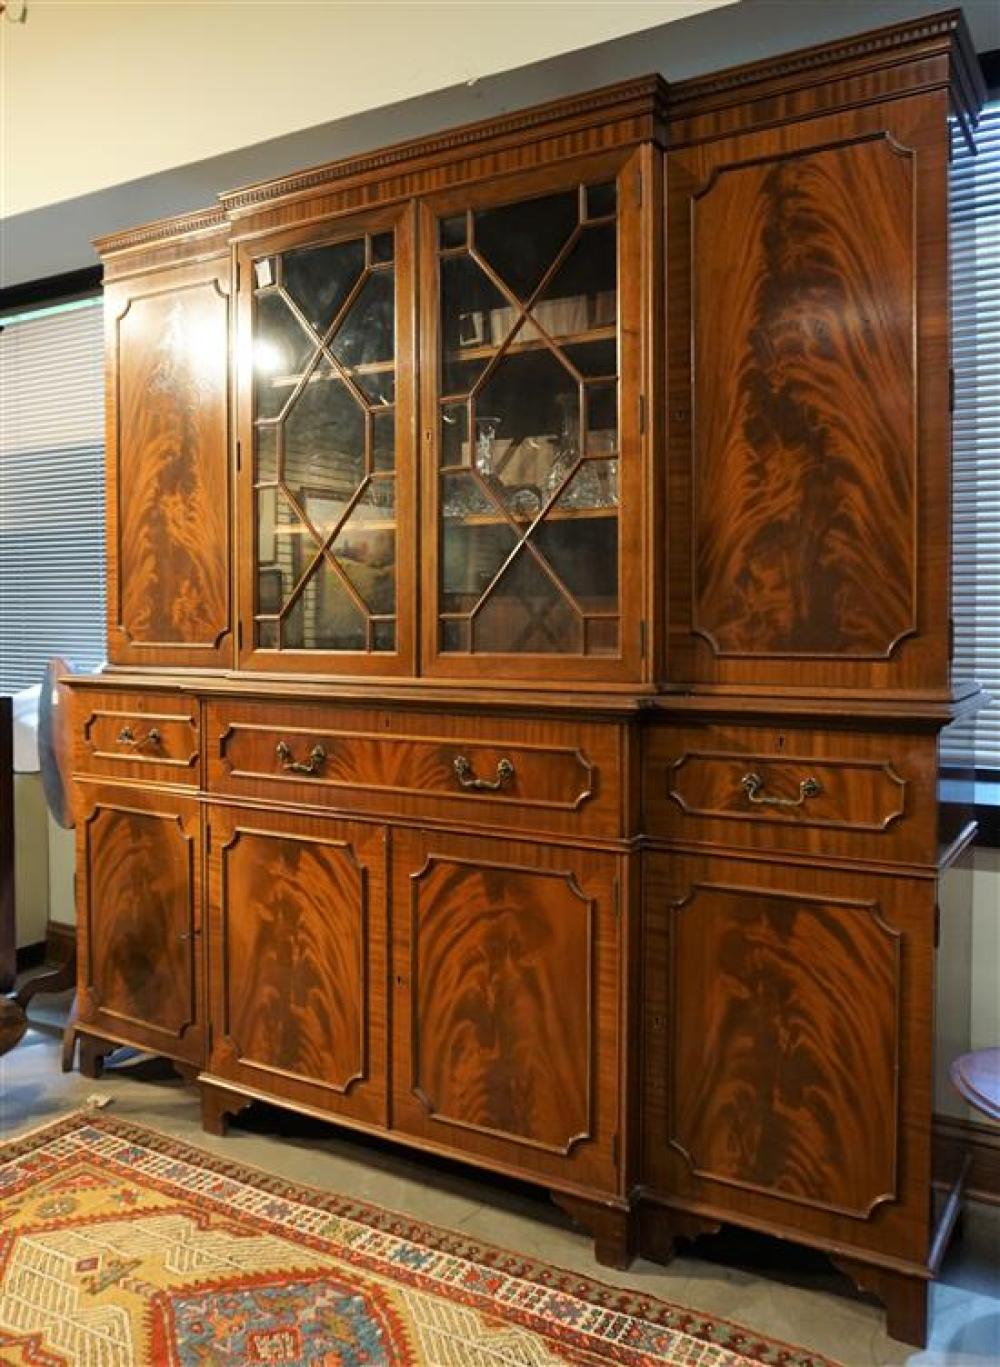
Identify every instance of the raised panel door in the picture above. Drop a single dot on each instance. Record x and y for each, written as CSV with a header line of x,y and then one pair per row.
x,y
139,881
167,339
298,959
506,983
808,411
788,1045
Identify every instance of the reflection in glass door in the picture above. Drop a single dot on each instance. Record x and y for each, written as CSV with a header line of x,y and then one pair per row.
x,y
324,409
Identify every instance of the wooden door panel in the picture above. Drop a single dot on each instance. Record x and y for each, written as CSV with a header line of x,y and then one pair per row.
x,y
507,986
298,959
809,405
140,969
168,467
779,1046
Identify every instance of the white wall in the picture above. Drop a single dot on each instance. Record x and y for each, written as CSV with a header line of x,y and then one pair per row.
x,y
97,92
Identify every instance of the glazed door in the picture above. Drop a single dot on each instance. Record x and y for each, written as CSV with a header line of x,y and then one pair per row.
x,y
139,918
167,459
297,959
531,394
506,1003
788,1064
326,414
809,421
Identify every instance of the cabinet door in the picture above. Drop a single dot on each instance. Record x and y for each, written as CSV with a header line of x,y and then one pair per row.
x,y
788,1045
326,435
809,431
297,959
531,370
139,916
167,340
506,981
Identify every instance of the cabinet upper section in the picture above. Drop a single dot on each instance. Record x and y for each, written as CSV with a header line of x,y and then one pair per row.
x,y
645,385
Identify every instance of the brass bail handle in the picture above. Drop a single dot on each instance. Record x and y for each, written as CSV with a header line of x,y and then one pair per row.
x,y
753,784
126,736
466,777
315,762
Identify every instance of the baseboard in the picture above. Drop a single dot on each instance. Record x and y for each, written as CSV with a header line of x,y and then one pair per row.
x,y
953,1139
58,947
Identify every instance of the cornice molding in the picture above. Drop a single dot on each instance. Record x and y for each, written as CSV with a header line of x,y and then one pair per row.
x,y
649,90
163,229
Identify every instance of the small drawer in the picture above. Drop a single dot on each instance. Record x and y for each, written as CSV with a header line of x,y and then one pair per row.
x,y
527,774
843,794
151,736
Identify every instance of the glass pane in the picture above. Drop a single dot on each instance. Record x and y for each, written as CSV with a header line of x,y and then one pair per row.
x,y
383,247
471,555
452,231
462,497
282,350
383,422
569,303
266,470
594,486
455,434
455,634
471,305
324,616
264,272
601,199
267,635
521,240
324,438
601,405
527,613
365,547
384,636
367,337
583,551
284,547
319,279
598,359
527,424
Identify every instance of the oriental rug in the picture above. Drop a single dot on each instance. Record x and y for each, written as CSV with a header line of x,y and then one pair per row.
x,y
120,1247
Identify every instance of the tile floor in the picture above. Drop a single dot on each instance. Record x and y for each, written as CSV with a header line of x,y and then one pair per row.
x,y
781,1292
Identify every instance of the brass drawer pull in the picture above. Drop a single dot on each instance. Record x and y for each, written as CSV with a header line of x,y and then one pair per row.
x,y
126,736
465,776
315,762
753,783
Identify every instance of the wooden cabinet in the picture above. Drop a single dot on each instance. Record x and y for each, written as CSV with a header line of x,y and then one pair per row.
x,y
554,655
297,966
167,330
506,964
139,898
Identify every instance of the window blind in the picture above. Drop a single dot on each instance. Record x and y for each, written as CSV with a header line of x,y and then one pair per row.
x,y
975,245
51,492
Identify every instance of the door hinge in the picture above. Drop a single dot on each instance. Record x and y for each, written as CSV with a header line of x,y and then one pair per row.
x,y
951,389
210,1033
951,639
642,414
937,924
642,638
616,896
237,277
239,635
239,456
615,1150
638,188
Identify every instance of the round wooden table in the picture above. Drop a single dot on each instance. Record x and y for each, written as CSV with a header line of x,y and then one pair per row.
x,y
976,1077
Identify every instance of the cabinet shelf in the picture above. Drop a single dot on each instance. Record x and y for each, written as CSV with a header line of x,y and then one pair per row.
x,y
486,351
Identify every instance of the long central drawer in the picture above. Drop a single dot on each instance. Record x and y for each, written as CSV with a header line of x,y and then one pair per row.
x,y
529,774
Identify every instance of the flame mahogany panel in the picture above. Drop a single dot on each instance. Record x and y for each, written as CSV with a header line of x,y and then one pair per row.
x,y
168,465
298,959
809,404
140,965
783,1005
877,794
506,1028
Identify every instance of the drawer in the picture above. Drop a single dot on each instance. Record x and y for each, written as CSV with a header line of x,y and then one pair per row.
x,y
151,736
528,774
823,792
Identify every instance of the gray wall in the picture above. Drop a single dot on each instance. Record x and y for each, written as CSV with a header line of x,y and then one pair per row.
x,y
57,238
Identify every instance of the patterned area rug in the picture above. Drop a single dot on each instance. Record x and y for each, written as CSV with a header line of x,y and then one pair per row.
x,y
123,1248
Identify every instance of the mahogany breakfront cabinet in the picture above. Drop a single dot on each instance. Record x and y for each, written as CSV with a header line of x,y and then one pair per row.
x,y
529,648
